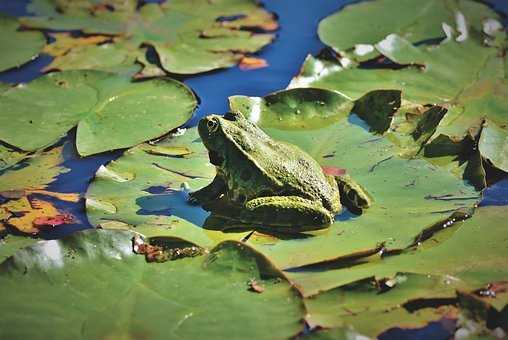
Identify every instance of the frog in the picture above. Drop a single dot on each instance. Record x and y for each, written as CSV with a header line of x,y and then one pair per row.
x,y
263,181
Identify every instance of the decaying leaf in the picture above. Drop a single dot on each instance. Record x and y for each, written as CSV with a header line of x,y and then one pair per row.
x,y
29,216
252,63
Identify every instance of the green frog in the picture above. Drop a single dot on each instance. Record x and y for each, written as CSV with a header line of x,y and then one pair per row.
x,y
263,181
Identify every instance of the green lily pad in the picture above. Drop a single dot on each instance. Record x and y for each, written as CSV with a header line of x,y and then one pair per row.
x,y
92,285
10,244
188,37
111,111
92,53
146,190
414,20
464,74
472,257
37,173
18,47
369,307
337,139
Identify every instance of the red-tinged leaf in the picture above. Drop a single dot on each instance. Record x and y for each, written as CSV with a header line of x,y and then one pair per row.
x,y
53,221
333,171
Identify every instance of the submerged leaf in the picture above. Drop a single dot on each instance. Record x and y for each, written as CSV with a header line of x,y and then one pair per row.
x,y
160,301
111,111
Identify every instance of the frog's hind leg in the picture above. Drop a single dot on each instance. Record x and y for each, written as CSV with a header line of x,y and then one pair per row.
x,y
209,193
288,211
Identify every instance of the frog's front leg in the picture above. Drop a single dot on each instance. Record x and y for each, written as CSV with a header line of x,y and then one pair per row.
x,y
353,195
288,211
209,193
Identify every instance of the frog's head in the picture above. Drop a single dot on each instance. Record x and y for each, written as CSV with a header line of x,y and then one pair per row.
x,y
217,131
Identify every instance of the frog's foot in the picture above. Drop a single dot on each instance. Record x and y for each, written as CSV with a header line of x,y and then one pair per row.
x,y
353,195
288,211
209,193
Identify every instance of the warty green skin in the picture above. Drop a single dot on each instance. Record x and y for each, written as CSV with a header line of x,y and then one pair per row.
x,y
263,181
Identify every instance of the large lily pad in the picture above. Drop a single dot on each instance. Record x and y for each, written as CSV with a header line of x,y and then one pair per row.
x,y
464,74
92,285
189,37
18,47
415,20
110,110
144,186
473,256
337,139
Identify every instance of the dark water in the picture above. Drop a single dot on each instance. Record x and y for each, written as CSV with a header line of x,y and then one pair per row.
x,y
296,38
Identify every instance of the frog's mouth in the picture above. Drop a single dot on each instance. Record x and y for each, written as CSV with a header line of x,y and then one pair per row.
x,y
215,158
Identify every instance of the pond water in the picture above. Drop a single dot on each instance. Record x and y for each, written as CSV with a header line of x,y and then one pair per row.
x,y
296,38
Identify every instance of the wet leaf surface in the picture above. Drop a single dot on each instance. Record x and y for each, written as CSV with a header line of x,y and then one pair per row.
x,y
415,20
326,130
473,256
18,47
111,111
188,37
140,299
464,73
146,189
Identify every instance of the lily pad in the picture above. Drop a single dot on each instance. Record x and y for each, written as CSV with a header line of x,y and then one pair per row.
x,y
473,256
414,20
94,280
146,190
18,47
92,53
336,138
369,307
188,37
111,111
464,74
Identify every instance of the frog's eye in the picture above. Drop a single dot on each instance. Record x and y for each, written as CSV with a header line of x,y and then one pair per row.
x,y
212,125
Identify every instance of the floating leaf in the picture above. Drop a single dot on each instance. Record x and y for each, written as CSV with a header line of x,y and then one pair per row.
x,y
153,198
93,279
92,53
10,244
18,47
464,74
29,216
319,122
415,20
188,37
471,257
33,174
252,63
111,111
